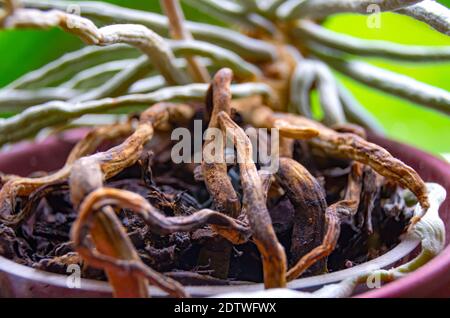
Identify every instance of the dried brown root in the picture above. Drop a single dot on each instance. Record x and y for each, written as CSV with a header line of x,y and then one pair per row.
x,y
351,146
259,116
196,279
112,161
9,6
106,233
233,230
126,154
354,183
350,128
215,172
18,186
334,215
116,254
272,252
372,183
266,181
97,137
59,262
98,200
308,198
286,147
33,202
289,130
343,145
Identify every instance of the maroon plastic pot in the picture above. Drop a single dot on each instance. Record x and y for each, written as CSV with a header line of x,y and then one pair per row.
x,y
432,280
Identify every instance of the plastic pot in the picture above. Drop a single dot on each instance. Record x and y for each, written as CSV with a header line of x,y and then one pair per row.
x,y
432,280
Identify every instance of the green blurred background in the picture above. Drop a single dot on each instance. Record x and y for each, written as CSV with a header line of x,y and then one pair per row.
x,y
23,51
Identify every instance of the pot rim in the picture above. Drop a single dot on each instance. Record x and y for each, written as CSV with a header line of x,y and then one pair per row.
x,y
403,249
